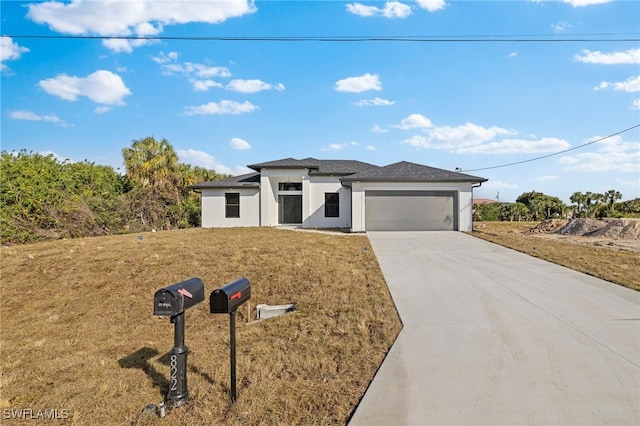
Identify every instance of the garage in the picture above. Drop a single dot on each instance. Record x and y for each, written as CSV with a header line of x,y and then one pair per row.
x,y
411,210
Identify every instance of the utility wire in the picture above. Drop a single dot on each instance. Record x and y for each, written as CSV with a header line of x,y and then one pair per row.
x,y
555,153
621,37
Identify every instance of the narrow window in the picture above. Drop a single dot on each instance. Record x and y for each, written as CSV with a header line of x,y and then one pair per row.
x,y
232,204
331,204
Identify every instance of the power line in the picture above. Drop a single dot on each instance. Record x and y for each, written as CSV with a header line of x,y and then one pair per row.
x,y
555,153
576,38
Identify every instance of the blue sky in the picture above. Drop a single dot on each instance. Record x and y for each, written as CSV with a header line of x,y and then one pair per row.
x,y
479,89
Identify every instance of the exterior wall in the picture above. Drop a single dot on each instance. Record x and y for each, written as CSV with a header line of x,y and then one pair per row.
x,y
313,203
213,208
465,207
269,179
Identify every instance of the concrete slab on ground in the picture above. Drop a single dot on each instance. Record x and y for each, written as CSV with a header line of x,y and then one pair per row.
x,y
495,337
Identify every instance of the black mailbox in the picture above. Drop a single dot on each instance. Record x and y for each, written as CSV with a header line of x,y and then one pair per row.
x,y
176,298
173,301
226,299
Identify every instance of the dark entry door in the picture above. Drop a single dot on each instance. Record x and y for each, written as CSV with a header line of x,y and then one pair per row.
x,y
290,208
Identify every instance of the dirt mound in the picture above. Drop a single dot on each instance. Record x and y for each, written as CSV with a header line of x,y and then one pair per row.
x,y
627,229
548,226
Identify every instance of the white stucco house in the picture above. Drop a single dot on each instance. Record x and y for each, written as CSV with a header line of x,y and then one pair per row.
x,y
313,193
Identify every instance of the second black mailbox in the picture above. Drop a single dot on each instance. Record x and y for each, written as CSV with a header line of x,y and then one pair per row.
x,y
226,299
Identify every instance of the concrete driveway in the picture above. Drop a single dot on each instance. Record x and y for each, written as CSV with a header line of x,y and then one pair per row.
x,y
495,337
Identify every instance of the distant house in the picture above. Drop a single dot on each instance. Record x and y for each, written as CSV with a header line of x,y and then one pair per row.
x,y
483,201
313,193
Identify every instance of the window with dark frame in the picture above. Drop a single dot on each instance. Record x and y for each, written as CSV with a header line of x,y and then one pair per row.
x,y
331,204
232,204
290,186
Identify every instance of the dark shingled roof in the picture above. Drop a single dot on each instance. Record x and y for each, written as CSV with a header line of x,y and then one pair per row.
x,y
338,167
352,171
317,167
250,180
405,171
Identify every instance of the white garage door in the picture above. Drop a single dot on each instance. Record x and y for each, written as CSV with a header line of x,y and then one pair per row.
x,y
411,211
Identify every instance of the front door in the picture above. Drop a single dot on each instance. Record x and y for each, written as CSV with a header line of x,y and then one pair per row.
x,y
290,209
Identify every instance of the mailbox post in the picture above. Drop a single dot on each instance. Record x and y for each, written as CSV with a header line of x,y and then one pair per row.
x,y
226,300
172,301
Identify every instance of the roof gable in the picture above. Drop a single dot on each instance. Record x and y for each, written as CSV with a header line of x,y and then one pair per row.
x,y
285,163
407,171
317,167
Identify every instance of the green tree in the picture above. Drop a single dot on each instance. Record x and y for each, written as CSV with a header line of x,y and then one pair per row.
x,y
151,163
487,212
542,206
579,199
42,197
160,197
513,212
612,196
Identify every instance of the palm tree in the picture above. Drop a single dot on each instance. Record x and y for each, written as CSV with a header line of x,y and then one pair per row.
x,y
580,200
150,162
612,196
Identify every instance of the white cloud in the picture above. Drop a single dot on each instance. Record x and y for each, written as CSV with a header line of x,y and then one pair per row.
x,y
631,56
237,143
32,116
546,178
163,59
121,45
560,26
456,138
513,54
636,104
334,147
359,84
101,109
377,129
341,146
362,10
582,3
203,85
374,102
221,108
391,9
9,51
103,87
371,148
199,75
431,5
517,146
415,121
613,155
128,18
202,159
252,86
632,85
191,69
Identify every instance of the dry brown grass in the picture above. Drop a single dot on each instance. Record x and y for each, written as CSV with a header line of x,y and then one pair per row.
x,y
610,262
78,331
